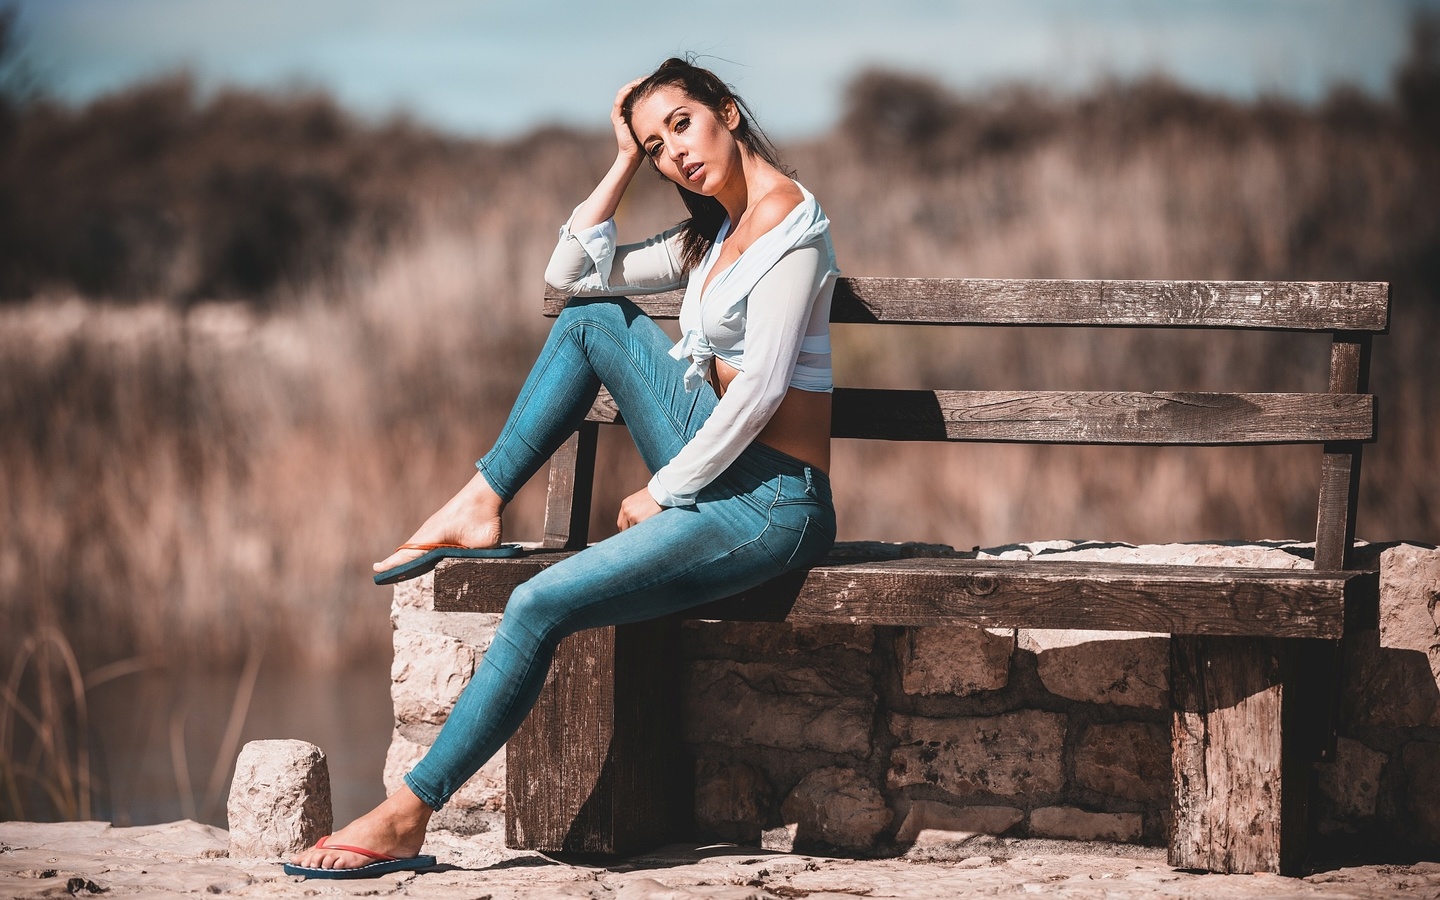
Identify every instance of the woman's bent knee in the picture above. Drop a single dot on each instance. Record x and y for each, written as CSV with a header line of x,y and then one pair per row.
x,y
539,614
613,311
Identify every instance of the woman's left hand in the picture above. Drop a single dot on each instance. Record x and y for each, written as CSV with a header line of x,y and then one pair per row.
x,y
636,508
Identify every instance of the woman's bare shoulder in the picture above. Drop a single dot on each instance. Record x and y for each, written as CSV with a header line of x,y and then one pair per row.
x,y
771,209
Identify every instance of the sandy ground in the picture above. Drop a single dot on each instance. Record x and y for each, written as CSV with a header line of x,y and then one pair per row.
x,y
86,859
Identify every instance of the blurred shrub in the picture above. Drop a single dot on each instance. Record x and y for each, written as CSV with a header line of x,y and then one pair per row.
x,y
156,191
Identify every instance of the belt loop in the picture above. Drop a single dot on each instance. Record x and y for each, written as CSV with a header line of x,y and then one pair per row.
x,y
809,483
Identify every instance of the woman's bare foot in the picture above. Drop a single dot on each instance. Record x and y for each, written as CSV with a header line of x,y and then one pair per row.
x,y
471,518
396,828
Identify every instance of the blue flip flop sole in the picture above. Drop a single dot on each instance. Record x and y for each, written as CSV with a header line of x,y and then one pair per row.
x,y
371,870
427,561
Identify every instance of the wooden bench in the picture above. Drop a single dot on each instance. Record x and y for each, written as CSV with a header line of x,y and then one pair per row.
x,y
598,767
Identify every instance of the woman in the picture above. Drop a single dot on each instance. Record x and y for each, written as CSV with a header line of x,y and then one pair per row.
x,y
734,422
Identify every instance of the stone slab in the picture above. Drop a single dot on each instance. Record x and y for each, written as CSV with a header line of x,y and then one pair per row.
x,y
1011,755
184,859
958,661
788,707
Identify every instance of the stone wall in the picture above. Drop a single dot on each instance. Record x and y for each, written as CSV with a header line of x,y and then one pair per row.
x,y
865,738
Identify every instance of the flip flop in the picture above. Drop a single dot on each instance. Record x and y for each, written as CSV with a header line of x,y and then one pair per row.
x,y
436,552
382,865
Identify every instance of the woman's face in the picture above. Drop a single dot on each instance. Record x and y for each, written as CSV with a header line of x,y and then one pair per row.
x,y
686,140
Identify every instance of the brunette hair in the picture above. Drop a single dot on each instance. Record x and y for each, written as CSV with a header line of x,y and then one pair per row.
x,y
698,232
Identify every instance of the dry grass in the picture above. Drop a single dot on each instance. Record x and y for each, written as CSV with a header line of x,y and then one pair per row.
x,y
210,465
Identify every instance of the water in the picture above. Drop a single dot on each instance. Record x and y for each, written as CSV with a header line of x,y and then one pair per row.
x,y
149,731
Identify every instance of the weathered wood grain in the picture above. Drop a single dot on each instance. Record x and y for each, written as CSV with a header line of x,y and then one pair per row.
x,y
1340,466
1090,417
1239,786
994,593
570,489
1277,305
597,766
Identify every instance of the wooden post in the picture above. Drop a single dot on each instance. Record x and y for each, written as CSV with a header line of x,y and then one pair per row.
x,y
1241,787
1340,465
597,767
572,480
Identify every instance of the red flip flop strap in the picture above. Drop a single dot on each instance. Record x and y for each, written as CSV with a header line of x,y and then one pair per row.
x,y
443,545
381,857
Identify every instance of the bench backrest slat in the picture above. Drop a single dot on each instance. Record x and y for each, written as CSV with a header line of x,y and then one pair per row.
x,y
1091,417
1273,305
1342,419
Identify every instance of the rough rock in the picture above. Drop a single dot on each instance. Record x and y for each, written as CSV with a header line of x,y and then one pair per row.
x,y
1125,668
732,802
1253,554
767,640
1126,759
184,860
1410,612
930,821
417,593
790,707
279,799
1351,784
1410,599
780,839
836,807
1421,761
474,809
1387,688
1080,825
1009,755
428,674
959,660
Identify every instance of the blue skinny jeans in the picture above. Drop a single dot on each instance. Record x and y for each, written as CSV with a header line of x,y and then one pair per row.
x,y
766,514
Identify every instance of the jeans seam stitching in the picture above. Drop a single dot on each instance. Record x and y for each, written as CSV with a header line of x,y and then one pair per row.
x,y
634,365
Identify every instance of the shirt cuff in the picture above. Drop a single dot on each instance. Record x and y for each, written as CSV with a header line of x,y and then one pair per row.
x,y
598,242
663,497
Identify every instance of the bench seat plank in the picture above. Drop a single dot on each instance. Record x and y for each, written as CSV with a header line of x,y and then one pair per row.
x,y
1200,600
1090,417
1273,305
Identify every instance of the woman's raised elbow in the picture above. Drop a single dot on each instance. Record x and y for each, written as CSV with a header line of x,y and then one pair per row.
x,y
562,279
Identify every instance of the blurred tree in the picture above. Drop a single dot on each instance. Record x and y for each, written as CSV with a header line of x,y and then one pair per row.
x,y
1417,82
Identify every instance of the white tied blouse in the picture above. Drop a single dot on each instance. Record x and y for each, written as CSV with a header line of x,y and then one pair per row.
x,y
767,315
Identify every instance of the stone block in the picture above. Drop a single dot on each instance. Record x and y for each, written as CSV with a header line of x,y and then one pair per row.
x,y
1421,762
1410,599
279,800
417,593
1079,825
1124,668
428,673
836,807
780,839
930,821
1387,688
1011,755
789,707
767,640
1410,613
1126,759
959,660
1350,785
1257,555
732,802
478,805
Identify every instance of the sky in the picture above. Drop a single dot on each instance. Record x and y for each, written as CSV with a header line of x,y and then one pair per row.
x,y
497,68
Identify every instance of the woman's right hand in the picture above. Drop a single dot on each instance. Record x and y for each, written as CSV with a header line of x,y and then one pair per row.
x,y
624,140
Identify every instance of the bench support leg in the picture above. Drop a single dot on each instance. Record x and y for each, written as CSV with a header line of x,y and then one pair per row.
x,y
597,766
1241,776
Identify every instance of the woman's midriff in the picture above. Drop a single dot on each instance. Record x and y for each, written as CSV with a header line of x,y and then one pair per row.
x,y
800,427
